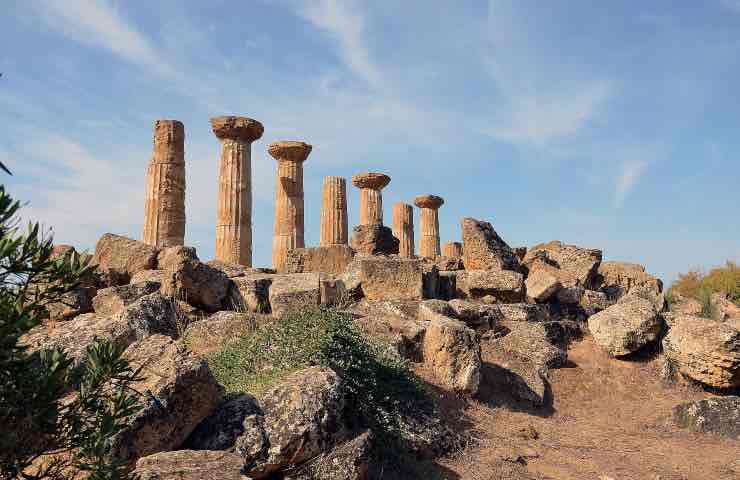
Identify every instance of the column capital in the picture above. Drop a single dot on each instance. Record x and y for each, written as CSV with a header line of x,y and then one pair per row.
x,y
289,150
237,128
371,180
429,201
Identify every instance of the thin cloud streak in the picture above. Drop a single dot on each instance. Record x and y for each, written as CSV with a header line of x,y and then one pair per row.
x,y
631,173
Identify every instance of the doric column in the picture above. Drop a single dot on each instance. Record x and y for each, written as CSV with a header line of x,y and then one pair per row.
x,y
371,200
164,207
288,233
452,249
429,243
403,228
234,222
334,212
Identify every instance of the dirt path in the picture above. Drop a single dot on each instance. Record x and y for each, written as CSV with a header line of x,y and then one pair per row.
x,y
607,419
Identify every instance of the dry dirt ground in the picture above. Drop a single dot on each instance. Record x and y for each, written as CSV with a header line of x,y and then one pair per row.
x,y
604,419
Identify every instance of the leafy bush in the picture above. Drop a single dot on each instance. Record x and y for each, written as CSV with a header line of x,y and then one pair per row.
x,y
382,392
701,286
38,413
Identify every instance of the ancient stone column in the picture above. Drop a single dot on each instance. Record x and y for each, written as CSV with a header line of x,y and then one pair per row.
x,y
403,228
164,207
429,242
371,200
234,223
452,249
288,233
334,212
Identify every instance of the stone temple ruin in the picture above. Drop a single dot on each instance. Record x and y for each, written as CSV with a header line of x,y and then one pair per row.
x,y
456,309
164,216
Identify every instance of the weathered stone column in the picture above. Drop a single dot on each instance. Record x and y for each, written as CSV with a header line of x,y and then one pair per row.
x,y
403,228
234,222
429,242
452,249
334,212
164,206
288,233
371,200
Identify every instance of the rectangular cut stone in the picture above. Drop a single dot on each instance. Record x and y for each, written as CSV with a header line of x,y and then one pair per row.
x,y
391,278
294,292
332,259
503,285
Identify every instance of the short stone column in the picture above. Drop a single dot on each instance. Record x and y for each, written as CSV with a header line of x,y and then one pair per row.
x,y
164,206
288,232
452,249
234,222
403,228
334,212
429,242
371,200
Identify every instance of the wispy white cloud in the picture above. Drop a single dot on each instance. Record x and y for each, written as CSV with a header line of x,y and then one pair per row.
x,y
631,172
344,21
98,23
541,100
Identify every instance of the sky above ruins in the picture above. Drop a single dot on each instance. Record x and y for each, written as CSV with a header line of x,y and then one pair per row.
x,y
613,125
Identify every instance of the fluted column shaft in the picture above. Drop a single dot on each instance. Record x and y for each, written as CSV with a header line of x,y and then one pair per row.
x,y
288,233
371,207
452,249
334,212
403,228
164,207
429,242
234,222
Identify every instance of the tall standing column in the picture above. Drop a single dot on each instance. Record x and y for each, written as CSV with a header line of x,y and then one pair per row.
x,y
429,243
234,223
371,200
452,249
164,207
288,233
403,228
334,212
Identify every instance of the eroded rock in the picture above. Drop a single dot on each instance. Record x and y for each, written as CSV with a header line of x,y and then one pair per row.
x,y
112,300
503,285
451,349
331,259
720,415
484,249
626,326
120,257
191,465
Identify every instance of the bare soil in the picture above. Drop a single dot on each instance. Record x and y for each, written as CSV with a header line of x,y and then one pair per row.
x,y
603,419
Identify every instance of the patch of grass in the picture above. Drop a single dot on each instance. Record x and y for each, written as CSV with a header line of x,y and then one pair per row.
x,y
382,392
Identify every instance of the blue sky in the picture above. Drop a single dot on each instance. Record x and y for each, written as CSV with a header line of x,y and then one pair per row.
x,y
613,125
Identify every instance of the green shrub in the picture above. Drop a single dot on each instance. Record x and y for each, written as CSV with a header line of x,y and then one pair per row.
x,y
700,286
36,413
382,392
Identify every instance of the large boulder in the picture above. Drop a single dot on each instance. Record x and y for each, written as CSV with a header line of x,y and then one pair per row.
x,y
374,240
291,292
332,259
524,312
250,293
349,460
574,266
503,285
193,281
705,350
617,279
112,300
541,285
390,278
221,429
302,418
719,415
180,391
478,316
593,302
540,343
191,465
483,249
152,314
451,349
626,326
119,258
